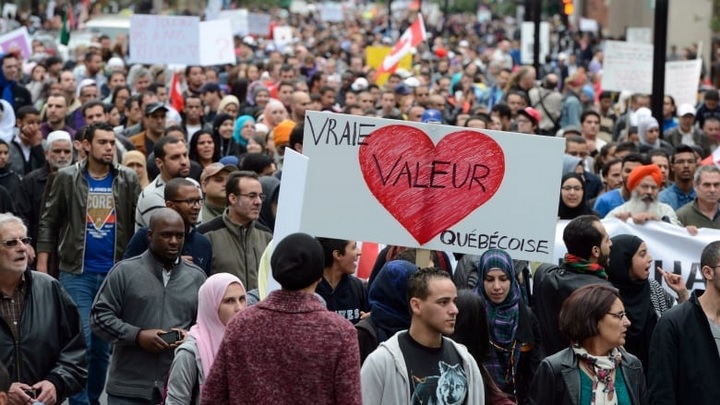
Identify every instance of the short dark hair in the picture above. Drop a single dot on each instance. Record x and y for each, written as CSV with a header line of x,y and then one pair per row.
x,y
90,130
588,113
480,116
634,157
682,148
92,104
329,246
584,309
175,128
189,68
286,83
172,187
419,282
710,255
712,95
134,98
26,110
325,89
159,147
503,110
232,185
9,55
626,147
350,107
575,139
580,236
89,55
296,136
607,165
658,152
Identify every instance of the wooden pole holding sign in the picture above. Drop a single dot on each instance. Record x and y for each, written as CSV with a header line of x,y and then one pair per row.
x,y
658,88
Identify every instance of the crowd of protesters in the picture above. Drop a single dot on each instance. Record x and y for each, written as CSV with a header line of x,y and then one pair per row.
x,y
137,221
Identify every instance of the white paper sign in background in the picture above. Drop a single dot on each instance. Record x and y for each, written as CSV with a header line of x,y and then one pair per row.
x,y
527,40
682,79
164,39
628,67
218,47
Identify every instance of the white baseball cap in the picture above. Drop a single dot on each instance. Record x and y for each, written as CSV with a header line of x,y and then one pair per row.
x,y
685,109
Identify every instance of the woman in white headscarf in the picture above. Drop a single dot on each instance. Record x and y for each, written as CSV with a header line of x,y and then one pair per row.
x,y
649,135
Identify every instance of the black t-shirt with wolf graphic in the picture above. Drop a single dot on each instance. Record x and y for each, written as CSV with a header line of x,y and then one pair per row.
x,y
436,374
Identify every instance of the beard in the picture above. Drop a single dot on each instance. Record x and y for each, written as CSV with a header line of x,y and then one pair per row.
x,y
603,259
640,203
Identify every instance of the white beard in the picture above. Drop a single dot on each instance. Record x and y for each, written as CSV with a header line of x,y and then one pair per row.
x,y
636,206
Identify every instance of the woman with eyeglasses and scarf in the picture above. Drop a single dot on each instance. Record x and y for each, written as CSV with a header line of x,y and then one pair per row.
x,y
595,369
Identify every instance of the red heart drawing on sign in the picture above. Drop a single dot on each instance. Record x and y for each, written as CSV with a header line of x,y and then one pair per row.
x,y
430,188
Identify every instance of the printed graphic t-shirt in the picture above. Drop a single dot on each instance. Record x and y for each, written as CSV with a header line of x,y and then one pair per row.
x,y
100,220
436,374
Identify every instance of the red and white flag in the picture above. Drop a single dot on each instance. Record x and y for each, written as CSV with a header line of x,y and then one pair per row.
x,y
176,98
411,38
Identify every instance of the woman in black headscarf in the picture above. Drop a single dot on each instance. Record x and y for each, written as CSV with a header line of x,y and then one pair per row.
x,y
644,298
572,197
223,126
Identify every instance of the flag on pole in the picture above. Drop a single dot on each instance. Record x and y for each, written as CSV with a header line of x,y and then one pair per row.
x,y
65,30
411,38
176,98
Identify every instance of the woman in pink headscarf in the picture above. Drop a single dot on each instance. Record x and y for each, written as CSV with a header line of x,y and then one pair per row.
x,y
274,113
219,299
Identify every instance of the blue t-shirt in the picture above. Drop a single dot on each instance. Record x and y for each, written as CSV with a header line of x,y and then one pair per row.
x,y
100,231
606,202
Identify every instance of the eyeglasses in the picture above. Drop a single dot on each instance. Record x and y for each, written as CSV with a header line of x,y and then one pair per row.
x,y
11,243
572,188
191,201
618,315
253,196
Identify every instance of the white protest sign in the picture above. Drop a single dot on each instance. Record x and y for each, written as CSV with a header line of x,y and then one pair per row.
x,y
682,79
9,11
299,7
238,20
588,25
639,35
527,41
289,212
258,24
672,248
17,40
164,39
331,12
628,66
432,186
217,47
282,36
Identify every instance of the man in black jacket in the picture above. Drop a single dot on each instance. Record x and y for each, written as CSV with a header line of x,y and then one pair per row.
x,y
41,340
10,90
588,251
684,348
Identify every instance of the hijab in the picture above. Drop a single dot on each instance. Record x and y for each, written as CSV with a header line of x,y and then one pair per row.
x,y
570,163
389,308
645,124
564,211
273,103
134,156
239,124
503,319
225,146
227,100
270,187
635,295
208,330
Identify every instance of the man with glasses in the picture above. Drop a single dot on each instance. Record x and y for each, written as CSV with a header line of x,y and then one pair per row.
x,y
238,240
41,343
681,192
184,197
644,184
88,221
171,158
685,343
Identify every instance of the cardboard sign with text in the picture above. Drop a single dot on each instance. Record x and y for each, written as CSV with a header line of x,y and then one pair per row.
x,y
432,186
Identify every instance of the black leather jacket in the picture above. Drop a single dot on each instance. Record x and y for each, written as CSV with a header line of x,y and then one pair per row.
x,y
51,345
557,381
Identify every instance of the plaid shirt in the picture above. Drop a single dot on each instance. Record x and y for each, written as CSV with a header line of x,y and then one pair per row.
x,y
11,307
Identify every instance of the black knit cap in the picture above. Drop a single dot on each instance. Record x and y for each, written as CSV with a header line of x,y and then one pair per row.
x,y
297,262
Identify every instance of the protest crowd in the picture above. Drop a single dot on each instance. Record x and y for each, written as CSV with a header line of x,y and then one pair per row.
x,y
138,205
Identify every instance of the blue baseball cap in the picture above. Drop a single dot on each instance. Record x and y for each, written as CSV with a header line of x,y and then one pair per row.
x,y
431,116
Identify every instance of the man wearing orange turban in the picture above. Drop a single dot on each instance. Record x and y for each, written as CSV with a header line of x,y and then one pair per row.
x,y
644,184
